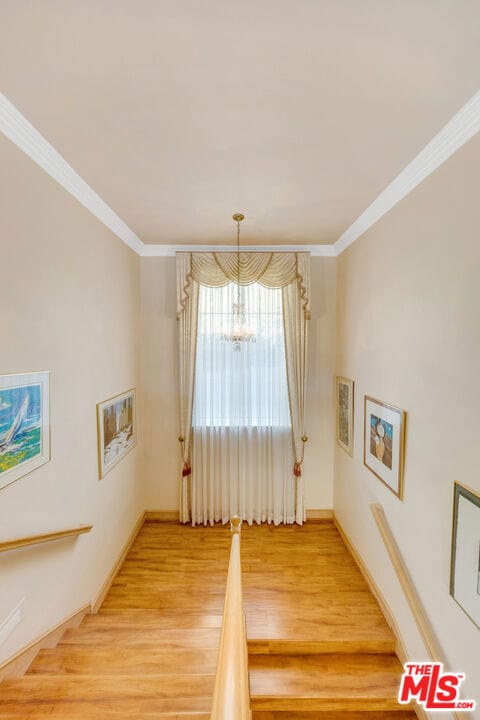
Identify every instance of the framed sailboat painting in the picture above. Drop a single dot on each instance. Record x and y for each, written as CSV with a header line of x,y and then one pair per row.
x,y
24,424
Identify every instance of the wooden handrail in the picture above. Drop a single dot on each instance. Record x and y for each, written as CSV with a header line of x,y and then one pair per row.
x,y
406,582
423,623
46,537
231,694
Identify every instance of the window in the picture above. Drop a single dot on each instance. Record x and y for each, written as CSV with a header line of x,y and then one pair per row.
x,y
246,388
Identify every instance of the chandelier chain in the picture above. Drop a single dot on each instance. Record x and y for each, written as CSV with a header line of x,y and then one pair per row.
x,y
240,332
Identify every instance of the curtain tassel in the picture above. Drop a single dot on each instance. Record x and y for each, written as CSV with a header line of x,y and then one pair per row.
x,y
186,468
297,467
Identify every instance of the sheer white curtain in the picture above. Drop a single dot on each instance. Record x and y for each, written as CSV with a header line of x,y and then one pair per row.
x,y
242,453
285,272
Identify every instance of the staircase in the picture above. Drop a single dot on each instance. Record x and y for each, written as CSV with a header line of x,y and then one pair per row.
x,y
326,651
318,644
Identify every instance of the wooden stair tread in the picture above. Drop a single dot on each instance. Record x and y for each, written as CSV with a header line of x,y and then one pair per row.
x,y
333,715
151,650
160,602
198,709
361,631
308,629
77,660
48,688
152,619
333,682
164,638
287,646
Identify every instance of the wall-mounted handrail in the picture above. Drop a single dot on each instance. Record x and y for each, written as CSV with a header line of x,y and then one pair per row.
x,y
423,624
46,537
421,619
231,695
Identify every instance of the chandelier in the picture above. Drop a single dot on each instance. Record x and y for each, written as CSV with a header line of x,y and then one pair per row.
x,y
240,332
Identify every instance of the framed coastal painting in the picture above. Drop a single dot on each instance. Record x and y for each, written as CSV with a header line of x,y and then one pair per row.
x,y
344,401
116,430
465,563
384,443
24,424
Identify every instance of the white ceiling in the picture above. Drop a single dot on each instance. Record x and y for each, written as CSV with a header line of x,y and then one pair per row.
x,y
297,113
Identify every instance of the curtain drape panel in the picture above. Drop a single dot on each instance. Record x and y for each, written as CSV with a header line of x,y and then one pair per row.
x,y
289,271
188,346
274,270
295,328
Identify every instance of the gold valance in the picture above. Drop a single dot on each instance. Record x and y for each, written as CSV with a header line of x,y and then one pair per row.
x,y
273,270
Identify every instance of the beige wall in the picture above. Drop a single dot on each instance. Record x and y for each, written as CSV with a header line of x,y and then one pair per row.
x,y
409,333
318,465
160,379
160,382
69,303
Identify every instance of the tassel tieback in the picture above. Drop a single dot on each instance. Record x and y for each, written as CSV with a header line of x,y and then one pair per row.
x,y
297,467
186,470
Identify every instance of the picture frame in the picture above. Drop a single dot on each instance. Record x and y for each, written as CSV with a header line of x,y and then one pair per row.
x,y
116,430
24,424
384,443
465,557
344,400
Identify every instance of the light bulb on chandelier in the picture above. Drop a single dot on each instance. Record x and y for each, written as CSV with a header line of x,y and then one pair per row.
x,y
240,332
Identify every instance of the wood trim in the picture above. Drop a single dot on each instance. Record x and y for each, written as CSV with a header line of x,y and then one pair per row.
x,y
415,604
319,514
97,602
18,664
405,580
400,648
162,515
46,537
231,693
173,515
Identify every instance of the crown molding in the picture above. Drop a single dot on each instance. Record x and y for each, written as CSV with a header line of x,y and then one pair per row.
x,y
170,250
463,126
21,132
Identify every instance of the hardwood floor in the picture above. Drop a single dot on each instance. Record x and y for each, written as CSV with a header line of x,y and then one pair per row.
x,y
318,644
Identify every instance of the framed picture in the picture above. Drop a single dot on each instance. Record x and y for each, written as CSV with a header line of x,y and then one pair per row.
x,y
465,564
344,399
24,424
384,443
116,430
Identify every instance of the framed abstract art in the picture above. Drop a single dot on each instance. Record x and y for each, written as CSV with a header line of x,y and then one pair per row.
x,y
384,443
344,389
465,561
